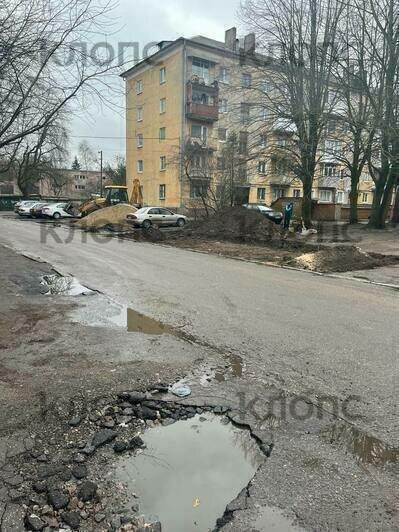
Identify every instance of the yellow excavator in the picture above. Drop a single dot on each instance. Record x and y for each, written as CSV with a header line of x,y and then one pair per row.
x,y
114,194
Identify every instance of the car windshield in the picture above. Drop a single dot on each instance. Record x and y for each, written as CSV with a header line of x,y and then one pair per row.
x,y
143,210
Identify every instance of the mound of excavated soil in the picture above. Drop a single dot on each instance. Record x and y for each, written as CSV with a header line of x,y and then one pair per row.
x,y
236,224
109,216
340,259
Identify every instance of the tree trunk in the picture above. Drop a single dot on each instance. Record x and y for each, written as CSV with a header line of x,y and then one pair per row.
x,y
377,218
307,203
353,197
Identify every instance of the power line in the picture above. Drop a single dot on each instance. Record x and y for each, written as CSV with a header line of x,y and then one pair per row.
x,y
121,138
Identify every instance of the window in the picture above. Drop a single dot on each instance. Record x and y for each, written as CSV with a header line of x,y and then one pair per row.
x,y
366,177
243,143
246,81
162,162
261,194
263,114
333,146
139,86
277,193
223,106
139,114
330,170
281,142
325,195
162,75
245,112
199,132
296,193
223,75
340,196
331,126
263,141
262,167
162,105
267,86
222,134
78,187
221,163
198,190
200,68
162,192
140,140
140,166
365,197
162,133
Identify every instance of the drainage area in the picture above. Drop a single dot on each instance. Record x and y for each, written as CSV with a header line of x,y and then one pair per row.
x,y
190,471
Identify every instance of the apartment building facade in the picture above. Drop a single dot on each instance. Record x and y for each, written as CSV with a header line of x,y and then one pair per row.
x,y
200,91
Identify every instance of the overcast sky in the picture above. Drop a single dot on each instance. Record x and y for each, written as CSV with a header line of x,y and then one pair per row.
x,y
144,21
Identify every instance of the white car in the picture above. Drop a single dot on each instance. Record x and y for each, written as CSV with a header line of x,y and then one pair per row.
x,y
56,211
148,216
24,207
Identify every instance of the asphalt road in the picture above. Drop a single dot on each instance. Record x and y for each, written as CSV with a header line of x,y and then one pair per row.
x,y
298,332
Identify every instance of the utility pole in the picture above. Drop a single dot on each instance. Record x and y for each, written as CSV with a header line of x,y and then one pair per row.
x,y
101,173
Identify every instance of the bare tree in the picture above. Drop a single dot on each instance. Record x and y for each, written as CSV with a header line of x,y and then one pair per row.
x,y
305,33
214,181
45,66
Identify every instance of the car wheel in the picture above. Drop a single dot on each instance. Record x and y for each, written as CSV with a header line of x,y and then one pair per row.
x,y
56,216
146,224
181,222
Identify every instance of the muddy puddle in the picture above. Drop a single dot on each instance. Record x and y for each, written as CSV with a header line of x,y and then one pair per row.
x,y
366,448
274,520
189,472
64,285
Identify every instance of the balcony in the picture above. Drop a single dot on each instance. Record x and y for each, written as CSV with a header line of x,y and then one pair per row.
x,y
203,112
202,101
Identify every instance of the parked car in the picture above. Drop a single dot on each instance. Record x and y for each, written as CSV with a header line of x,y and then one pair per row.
x,y
56,211
268,212
25,207
148,216
36,210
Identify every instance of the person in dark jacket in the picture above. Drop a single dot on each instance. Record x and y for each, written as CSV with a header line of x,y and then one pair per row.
x,y
288,210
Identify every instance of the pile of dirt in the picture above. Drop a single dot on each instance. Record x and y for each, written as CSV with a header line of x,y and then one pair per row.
x,y
340,259
236,224
108,217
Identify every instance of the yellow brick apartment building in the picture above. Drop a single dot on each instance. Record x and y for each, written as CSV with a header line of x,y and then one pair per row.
x,y
199,89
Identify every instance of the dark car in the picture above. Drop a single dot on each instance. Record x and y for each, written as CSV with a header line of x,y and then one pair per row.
x,y
268,212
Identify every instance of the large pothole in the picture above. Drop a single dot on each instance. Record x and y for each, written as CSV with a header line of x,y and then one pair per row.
x,y
189,472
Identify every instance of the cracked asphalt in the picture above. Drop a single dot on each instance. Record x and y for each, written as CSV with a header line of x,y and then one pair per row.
x,y
304,340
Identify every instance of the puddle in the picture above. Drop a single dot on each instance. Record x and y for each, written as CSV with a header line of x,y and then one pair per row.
x,y
137,322
274,520
367,449
234,367
189,472
64,286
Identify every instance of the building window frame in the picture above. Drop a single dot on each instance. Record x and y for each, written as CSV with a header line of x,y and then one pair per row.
x,y
162,75
162,134
162,163
162,106
261,193
139,86
140,166
140,140
139,114
162,191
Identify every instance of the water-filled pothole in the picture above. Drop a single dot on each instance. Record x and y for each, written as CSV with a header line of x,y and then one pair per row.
x,y
189,472
367,449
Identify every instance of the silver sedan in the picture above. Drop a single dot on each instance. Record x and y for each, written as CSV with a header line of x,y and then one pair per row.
x,y
148,216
